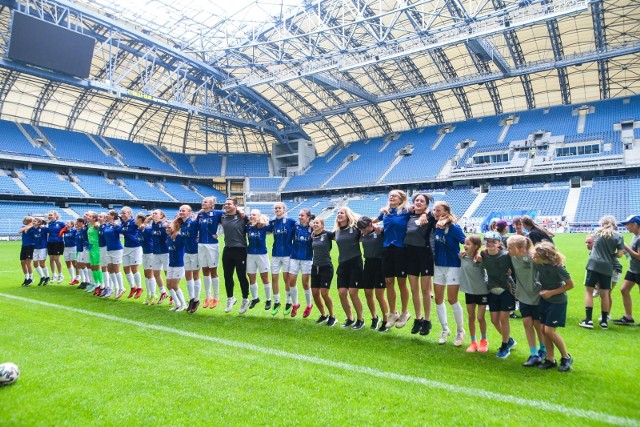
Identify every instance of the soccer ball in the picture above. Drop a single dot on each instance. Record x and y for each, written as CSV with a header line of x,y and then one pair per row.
x,y
9,373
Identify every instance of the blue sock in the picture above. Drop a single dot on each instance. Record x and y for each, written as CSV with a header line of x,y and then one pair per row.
x,y
473,338
484,336
534,351
543,348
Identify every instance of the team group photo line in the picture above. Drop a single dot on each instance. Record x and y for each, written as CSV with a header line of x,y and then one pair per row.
x,y
415,239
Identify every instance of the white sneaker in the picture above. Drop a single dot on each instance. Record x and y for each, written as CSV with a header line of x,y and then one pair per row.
x,y
230,303
596,293
174,307
244,306
60,278
403,319
443,336
181,308
459,339
393,318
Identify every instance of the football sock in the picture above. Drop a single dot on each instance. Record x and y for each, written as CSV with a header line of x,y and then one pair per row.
x,y
589,313
197,288
308,297
294,295
215,282
207,286
190,289
137,279
288,294
180,296
267,291
441,309
457,315
254,290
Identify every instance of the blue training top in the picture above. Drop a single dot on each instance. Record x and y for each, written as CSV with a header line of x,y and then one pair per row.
x,y
54,228
257,238
282,229
189,232
27,237
112,237
208,225
302,242
69,237
447,249
395,227
131,233
146,240
159,237
80,239
101,242
40,237
176,250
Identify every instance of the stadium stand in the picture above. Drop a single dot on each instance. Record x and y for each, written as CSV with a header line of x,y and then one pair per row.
x,y
48,183
614,193
75,146
145,190
181,192
8,185
12,141
100,187
265,185
182,162
549,202
138,155
241,165
207,191
208,164
12,213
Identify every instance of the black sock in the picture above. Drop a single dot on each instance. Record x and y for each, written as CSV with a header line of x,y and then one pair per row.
x,y
605,316
589,311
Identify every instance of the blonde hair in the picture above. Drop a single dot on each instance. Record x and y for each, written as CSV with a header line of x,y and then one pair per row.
x,y
128,210
320,220
546,253
352,218
608,226
27,220
475,241
55,214
261,218
518,241
449,216
404,199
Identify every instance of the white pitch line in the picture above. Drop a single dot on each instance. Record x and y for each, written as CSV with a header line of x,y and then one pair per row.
x,y
472,392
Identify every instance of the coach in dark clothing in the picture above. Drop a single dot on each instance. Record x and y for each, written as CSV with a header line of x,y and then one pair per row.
x,y
234,255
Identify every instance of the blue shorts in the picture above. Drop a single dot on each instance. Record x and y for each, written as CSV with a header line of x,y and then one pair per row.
x,y
503,302
594,278
553,315
527,310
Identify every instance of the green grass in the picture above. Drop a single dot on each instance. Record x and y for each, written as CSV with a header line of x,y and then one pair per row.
x,y
80,369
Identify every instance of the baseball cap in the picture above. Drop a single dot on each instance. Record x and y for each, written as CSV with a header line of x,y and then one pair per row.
x,y
492,235
501,225
635,219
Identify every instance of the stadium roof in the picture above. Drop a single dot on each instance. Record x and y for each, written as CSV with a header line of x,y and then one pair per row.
x,y
196,75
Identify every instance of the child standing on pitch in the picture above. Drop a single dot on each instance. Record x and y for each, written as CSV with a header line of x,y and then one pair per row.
x,y
475,291
497,263
521,252
554,281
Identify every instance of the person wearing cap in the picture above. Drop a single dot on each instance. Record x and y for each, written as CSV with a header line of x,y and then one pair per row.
x,y
607,245
633,273
498,266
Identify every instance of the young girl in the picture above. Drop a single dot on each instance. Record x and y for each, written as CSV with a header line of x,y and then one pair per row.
x,y
475,292
189,232
68,234
146,241
633,273
132,252
537,233
554,281
497,263
175,270
114,252
160,259
55,245
607,245
349,271
257,257
26,252
448,238
82,262
301,260
521,252
40,250
93,247
282,229
373,276
419,256
322,272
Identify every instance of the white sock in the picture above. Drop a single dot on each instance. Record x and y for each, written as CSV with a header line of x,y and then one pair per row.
x,y
197,289
276,298
457,314
180,296
216,287
45,270
120,280
151,286
253,288
190,289
294,295
87,274
72,272
40,272
113,281
107,281
130,281
175,297
308,297
267,291
441,309
137,279
162,289
288,294
207,286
